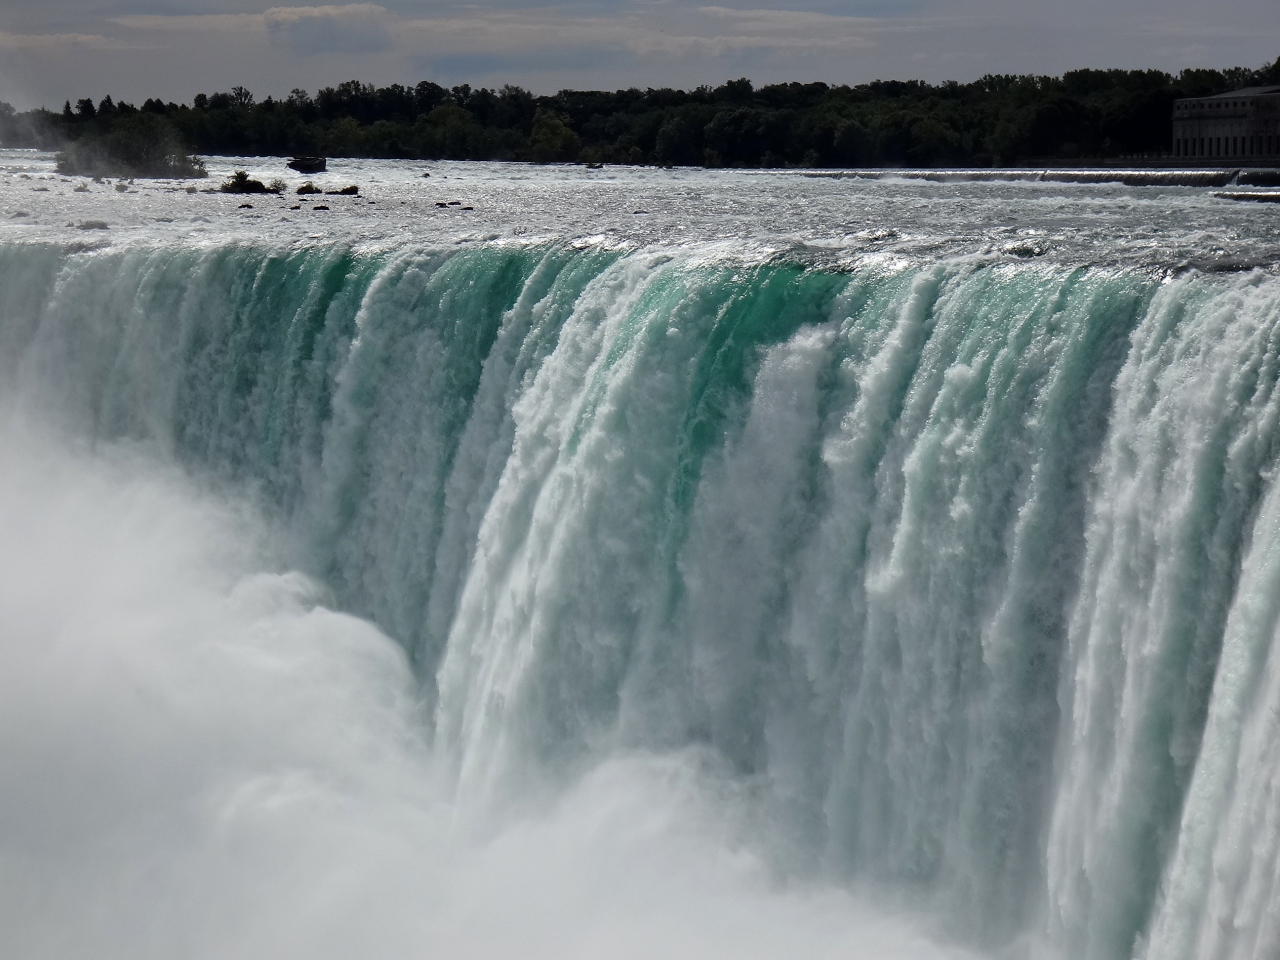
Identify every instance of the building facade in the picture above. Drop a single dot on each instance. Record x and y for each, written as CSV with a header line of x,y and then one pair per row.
x,y
1242,127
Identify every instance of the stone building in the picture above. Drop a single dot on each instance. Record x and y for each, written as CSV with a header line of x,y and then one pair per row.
x,y
1242,127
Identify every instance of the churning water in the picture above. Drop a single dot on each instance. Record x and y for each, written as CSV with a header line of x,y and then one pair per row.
x,y
639,563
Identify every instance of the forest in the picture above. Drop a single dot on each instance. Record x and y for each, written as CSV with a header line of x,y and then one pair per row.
x,y
1082,117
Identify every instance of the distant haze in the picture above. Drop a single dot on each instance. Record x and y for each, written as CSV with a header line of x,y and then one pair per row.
x,y
65,49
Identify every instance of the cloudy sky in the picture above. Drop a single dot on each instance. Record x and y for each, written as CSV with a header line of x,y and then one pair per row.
x,y
53,50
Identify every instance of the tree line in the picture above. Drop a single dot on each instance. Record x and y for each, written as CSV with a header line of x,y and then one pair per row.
x,y
1082,116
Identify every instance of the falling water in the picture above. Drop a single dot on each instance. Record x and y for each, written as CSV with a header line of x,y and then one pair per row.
x,y
962,571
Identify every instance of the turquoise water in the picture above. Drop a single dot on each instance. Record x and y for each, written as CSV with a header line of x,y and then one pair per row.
x,y
964,568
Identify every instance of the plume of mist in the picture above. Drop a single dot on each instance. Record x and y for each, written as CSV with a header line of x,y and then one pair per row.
x,y
199,759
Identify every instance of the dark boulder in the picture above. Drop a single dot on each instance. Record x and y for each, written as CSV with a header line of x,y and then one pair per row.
x,y
308,164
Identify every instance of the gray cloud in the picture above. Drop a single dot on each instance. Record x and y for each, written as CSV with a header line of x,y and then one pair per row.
x,y
67,48
353,28
53,41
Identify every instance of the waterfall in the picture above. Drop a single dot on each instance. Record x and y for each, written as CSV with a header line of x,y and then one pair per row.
x,y
965,570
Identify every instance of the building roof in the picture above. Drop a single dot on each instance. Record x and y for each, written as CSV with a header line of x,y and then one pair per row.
x,y
1245,92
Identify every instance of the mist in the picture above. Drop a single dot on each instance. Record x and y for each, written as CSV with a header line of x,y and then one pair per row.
x,y
199,758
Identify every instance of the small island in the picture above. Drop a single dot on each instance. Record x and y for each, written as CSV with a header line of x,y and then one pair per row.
x,y
133,145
